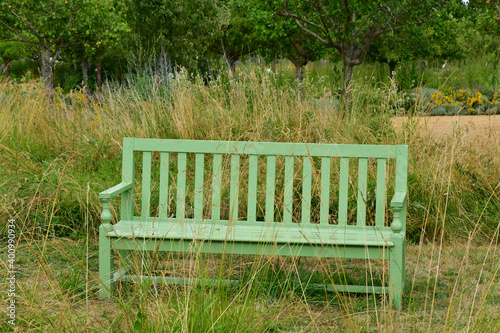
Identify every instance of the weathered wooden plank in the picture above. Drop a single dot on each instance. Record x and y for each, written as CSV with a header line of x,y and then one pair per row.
x,y
306,190
402,169
325,190
381,192
146,184
127,202
257,232
115,190
343,190
266,148
164,190
252,188
216,186
180,207
234,187
198,186
373,250
270,188
362,190
288,190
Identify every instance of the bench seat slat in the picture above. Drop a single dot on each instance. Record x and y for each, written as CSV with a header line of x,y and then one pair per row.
x,y
260,233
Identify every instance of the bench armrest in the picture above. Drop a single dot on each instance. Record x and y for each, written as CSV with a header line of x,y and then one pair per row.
x,y
106,196
115,190
398,200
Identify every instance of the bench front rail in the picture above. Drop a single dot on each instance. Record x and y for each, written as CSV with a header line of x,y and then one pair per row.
x,y
296,199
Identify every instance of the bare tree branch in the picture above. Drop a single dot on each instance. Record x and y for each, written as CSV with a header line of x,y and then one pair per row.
x,y
287,13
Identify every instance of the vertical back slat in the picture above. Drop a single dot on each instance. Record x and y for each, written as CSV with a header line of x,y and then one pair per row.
x,y
325,190
380,198
198,187
127,202
270,187
146,184
343,190
216,186
252,188
180,207
402,177
164,171
306,190
234,187
362,186
402,169
288,190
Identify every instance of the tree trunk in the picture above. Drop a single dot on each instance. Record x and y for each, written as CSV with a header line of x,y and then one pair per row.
x,y
299,76
392,68
99,76
8,63
46,65
273,65
347,69
85,72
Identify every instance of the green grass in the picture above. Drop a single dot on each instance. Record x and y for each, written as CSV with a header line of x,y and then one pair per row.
x,y
449,287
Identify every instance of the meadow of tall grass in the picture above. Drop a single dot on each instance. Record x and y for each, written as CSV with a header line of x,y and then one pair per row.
x,y
57,156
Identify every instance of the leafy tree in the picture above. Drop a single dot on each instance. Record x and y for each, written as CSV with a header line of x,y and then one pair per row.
x,y
99,29
10,51
45,26
238,34
351,26
280,37
184,30
440,37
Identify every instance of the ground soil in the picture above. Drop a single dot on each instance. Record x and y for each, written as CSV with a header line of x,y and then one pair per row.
x,y
475,131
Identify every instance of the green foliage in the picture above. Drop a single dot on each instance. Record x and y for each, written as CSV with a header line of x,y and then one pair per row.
x,y
185,30
350,27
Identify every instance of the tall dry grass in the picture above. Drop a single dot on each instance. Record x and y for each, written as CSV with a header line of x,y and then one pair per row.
x,y
56,158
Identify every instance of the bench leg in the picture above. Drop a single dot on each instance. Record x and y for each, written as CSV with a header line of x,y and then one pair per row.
x,y
106,265
397,271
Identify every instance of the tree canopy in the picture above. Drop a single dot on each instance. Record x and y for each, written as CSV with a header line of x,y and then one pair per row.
x,y
195,33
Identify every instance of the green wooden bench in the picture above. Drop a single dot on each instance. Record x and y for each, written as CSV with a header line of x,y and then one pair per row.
x,y
259,198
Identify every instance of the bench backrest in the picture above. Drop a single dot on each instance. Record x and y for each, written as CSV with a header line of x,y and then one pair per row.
x,y
214,174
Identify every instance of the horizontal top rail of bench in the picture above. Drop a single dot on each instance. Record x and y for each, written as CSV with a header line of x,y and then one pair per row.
x,y
262,148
